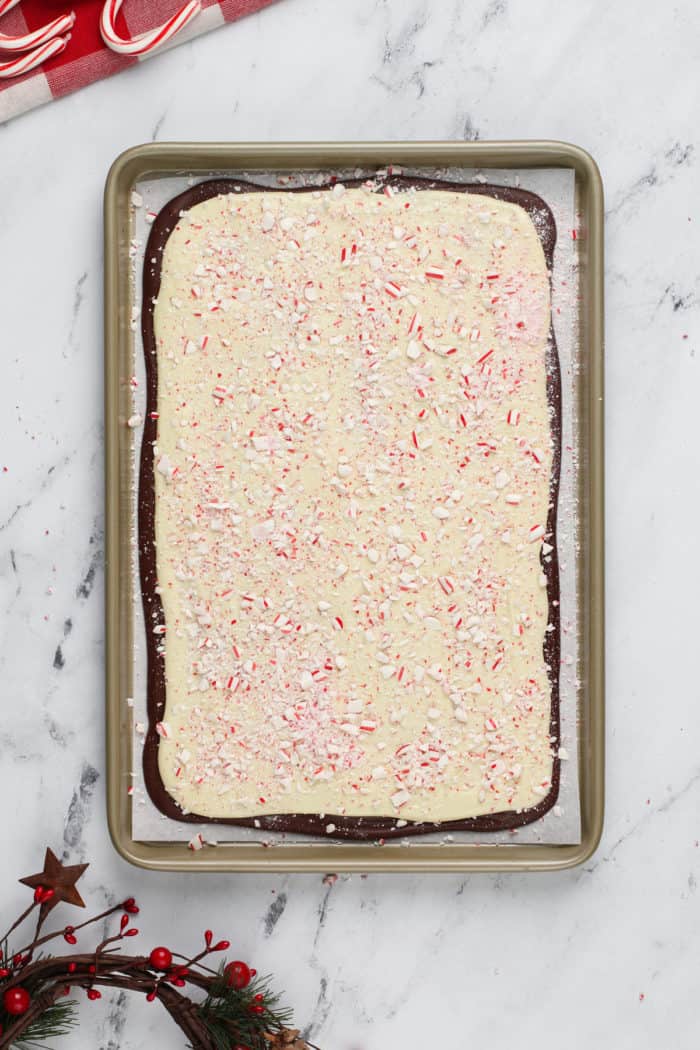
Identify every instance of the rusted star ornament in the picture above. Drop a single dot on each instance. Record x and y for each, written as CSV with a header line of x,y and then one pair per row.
x,y
59,879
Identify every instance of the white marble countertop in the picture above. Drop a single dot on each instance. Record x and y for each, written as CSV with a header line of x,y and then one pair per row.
x,y
606,955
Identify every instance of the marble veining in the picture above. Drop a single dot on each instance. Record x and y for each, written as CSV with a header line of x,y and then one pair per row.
x,y
606,955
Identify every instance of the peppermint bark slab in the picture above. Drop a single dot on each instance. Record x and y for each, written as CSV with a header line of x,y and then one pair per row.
x,y
347,508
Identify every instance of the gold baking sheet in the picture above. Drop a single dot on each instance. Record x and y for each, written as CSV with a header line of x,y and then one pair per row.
x,y
198,161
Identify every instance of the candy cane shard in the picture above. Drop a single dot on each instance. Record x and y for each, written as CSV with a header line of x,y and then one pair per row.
x,y
27,41
7,5
147,42
18,66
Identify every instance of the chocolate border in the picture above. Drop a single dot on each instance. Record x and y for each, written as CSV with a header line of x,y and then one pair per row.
x,y
348,828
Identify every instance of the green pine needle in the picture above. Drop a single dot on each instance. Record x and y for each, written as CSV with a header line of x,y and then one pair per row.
x,y
227,1015
56,1020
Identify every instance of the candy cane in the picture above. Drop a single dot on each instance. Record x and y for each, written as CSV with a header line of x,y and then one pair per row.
x,y
7,5
38,36
17,66
144,42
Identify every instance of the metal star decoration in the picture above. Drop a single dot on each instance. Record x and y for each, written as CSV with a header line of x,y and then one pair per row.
x,y
61,878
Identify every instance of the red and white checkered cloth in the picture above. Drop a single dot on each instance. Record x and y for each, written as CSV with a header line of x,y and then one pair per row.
x,y
86,58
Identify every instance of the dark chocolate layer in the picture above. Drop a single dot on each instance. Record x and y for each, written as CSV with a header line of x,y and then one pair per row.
x,y
356,828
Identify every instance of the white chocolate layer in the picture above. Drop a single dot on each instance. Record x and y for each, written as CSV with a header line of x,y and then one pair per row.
x,y
352,486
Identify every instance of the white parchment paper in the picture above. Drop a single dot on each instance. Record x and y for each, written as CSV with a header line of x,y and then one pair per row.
x,y
556,186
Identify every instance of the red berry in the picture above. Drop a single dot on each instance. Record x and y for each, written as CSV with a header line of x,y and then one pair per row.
x,y
150,996
253,972
221,946
130,906
238,974
161,958
133,932
124,921
70,938
92,993
4,972
259,998
16,1001
257,1009
208,938
72,967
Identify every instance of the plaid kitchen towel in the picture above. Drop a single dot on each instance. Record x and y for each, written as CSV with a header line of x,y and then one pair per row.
x,y
86,58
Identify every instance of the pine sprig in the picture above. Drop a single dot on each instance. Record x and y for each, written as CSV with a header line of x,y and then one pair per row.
x,y
58,1019
228,1013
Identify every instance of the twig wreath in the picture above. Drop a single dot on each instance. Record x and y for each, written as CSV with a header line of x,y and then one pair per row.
x,y
236,1008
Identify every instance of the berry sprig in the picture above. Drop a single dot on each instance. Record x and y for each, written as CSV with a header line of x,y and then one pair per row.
x,y
161,959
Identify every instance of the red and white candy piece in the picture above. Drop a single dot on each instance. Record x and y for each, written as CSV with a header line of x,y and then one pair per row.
x,y
27,41
147,42
7,5
21,65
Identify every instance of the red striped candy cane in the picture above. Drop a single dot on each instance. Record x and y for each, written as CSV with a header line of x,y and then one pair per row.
x,y
144,43
58,27
17,66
